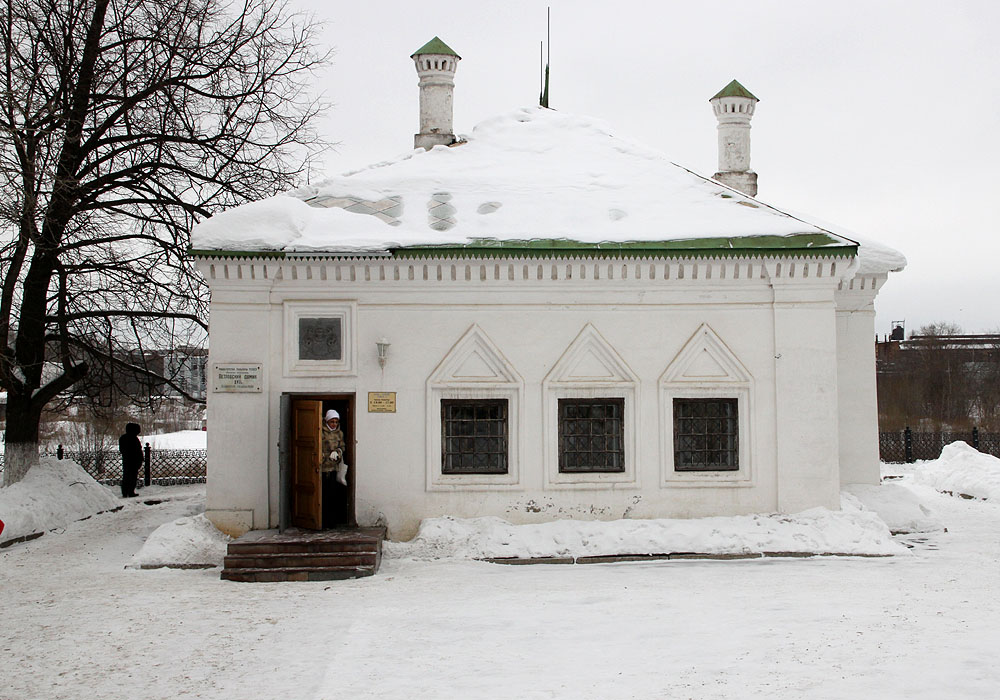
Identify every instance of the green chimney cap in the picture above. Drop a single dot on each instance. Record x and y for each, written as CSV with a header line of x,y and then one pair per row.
x,y
734,89
437,47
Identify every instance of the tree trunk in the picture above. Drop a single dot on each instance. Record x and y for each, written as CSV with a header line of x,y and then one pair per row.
x,y
21,438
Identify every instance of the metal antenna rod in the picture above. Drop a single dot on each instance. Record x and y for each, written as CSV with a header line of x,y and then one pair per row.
x,y
543,95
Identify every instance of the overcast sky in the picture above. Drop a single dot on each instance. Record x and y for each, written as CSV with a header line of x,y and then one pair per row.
x,y
879,116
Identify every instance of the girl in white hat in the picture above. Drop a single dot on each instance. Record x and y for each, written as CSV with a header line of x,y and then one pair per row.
x,y
333,447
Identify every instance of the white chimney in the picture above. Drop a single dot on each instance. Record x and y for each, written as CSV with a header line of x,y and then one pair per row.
x,y
436,64
734,106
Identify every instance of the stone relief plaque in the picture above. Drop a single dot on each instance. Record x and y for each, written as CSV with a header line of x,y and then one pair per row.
x,y
320,339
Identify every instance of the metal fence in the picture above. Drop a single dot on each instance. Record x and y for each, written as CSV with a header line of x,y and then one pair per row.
x,y
910,445
164,467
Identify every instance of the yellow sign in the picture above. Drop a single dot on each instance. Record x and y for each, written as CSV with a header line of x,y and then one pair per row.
x,y
381,401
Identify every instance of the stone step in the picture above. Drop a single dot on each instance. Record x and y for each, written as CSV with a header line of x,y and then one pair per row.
x,y
302,573
289,559
318,547
304,555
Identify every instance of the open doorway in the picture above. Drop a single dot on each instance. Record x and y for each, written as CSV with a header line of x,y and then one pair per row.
x,y
309,499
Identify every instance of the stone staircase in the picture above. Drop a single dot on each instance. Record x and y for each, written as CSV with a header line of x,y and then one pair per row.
x,y
304,555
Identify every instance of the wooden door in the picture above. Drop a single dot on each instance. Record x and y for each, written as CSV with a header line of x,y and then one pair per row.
x,y
307,484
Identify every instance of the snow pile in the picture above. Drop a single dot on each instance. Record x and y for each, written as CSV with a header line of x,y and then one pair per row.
x,y
815,531
56,493
898,507
269,224
53,494
526,174
874,257
185,543
962,470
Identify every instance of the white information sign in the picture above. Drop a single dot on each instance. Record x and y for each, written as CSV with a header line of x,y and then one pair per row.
x,y
235,378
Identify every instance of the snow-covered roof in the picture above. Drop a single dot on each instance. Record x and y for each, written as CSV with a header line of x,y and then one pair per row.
x,y
533,179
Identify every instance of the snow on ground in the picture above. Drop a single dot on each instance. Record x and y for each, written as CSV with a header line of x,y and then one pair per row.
x,y
181,440
83,625
52,495
852,530
962,470
188,542
896,505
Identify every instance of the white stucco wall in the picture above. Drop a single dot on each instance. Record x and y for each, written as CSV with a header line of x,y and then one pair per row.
x,y
237,483
768,335
859,447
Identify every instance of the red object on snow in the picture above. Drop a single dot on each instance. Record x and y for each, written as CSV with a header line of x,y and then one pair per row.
x,y
1,527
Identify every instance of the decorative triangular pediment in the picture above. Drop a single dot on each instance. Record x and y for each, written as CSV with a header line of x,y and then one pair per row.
x,y
590,366
591,358
475,366
704,365
475,359
705,358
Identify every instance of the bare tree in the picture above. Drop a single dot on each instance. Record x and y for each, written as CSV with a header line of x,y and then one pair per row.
x,y
942,372
937,328
941,379
122,122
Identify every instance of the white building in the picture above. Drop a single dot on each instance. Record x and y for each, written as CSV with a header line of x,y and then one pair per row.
x,y
540,321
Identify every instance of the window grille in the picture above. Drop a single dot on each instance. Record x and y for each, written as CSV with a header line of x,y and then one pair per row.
x,y
706,435
591,435
474,436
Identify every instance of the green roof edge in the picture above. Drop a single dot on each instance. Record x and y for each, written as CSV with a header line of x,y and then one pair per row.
x,y
800,244
206,253
436,47
734,89
460,252
765,244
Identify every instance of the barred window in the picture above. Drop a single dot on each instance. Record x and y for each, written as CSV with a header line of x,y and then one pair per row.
x,y
474,436
706,435
591,435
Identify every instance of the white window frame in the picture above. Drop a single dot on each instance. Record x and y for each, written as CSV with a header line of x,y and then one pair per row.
x,y
737,383
729,477
562,382
443,384
630,443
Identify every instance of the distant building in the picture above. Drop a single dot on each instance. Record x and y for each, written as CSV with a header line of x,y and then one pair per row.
x,y
981,348
938,381
186,367
542,321
143,376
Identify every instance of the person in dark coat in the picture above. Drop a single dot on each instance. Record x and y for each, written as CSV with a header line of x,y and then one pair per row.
x,y
131,449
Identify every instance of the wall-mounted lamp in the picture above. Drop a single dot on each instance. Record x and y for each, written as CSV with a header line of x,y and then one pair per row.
x,y
382,344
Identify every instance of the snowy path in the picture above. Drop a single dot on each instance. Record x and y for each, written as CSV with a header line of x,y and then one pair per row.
x,y
81,626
